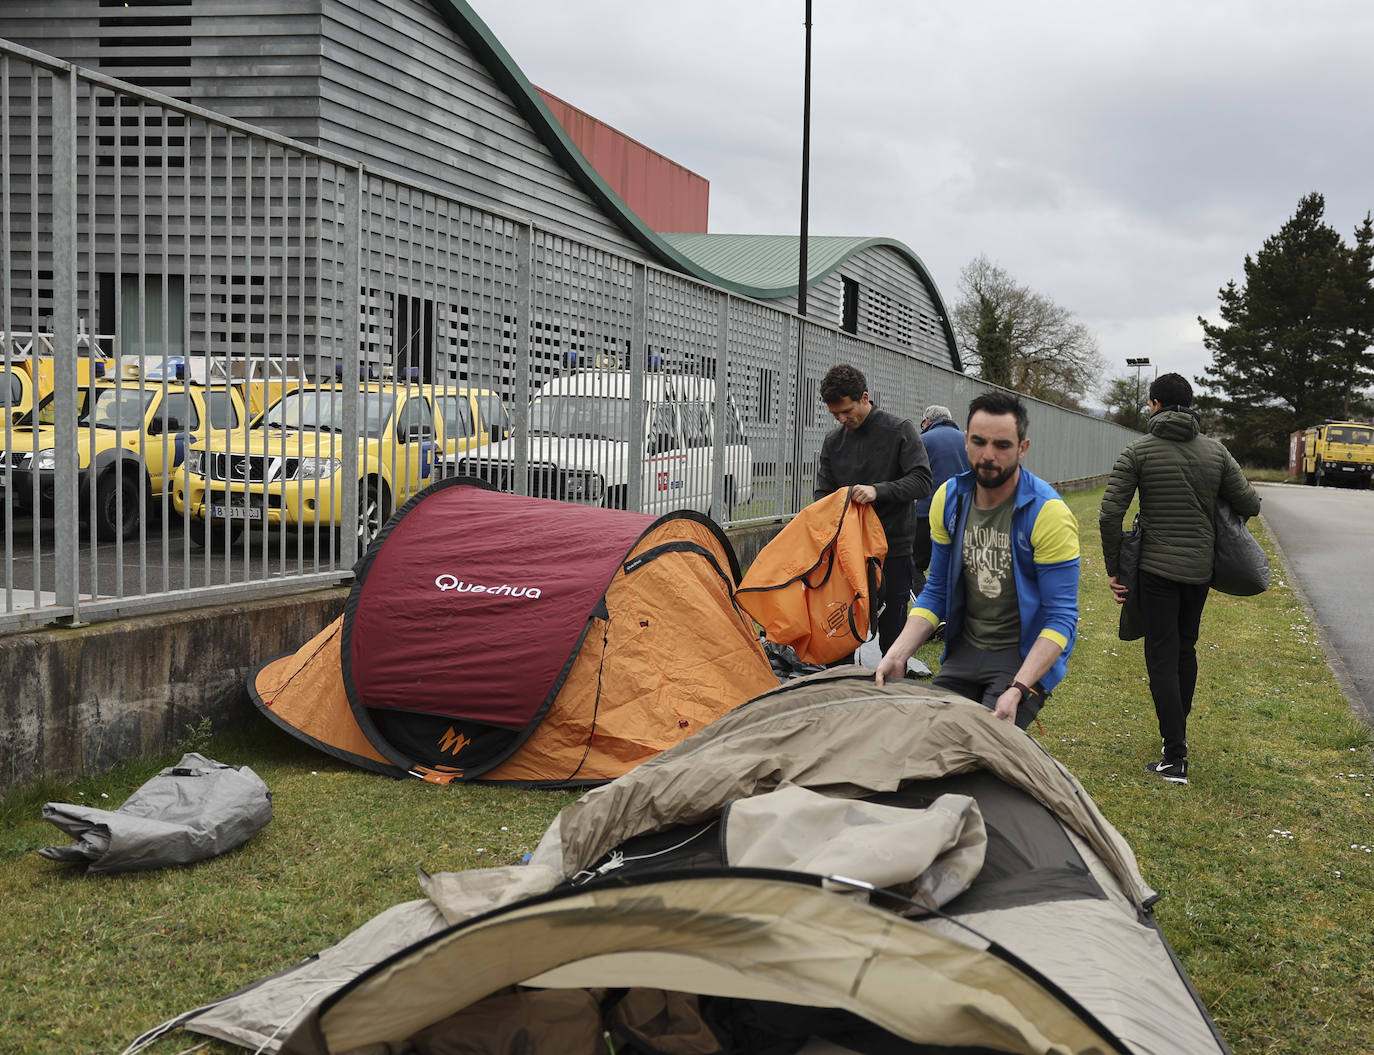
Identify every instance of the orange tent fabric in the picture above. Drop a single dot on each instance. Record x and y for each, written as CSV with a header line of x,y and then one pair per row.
x,y
674,656
303,692
814,586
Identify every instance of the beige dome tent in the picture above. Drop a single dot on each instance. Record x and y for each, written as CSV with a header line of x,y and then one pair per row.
x,y
834,867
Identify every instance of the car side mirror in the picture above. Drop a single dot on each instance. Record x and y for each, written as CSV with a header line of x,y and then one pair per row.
x,y
171,423
497,433
416,432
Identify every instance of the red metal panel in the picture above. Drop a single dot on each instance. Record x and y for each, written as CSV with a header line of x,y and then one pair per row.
x,y
1296,443
664,194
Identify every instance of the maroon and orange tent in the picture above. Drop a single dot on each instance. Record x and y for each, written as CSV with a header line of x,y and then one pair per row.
x,y
508,639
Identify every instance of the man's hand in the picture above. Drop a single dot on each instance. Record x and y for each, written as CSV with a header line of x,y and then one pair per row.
x,y
892,665
864,494
1007,704
1118,589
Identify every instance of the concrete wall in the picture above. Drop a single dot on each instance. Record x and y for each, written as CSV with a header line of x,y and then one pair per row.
x,y
79,700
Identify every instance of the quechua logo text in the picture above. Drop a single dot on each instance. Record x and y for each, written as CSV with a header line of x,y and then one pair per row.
x,y
453,584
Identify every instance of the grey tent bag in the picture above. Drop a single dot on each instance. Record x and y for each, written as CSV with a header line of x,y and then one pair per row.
x,y
196,809
1131,626
1239,566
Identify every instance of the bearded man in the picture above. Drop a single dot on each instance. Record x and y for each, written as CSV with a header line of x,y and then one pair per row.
x,y
1003,573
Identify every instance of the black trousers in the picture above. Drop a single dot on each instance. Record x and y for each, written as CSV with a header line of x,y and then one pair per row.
x,y
920,549
898,572
920,553
1172,614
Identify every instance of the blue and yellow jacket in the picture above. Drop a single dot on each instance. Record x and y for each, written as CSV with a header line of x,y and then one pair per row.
x,y
1044,562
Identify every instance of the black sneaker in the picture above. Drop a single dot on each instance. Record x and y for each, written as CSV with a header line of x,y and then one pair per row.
x,y
1173,772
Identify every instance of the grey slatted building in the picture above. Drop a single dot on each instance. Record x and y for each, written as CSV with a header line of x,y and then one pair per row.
x,y
419,90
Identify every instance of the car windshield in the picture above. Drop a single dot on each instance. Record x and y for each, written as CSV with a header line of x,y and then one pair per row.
x,y
117,408
323,408
1347,434
46,411
581,417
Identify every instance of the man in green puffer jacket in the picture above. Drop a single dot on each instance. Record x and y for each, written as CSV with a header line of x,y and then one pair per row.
x,y
1180,474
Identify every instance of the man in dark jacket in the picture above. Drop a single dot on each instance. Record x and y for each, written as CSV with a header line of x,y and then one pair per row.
x,y
1180,474
881,456
944,443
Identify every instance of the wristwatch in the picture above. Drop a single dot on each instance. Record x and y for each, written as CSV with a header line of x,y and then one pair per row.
x,y
1025,690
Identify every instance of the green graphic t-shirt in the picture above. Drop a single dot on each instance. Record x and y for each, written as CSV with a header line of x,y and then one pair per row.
x,y
989,584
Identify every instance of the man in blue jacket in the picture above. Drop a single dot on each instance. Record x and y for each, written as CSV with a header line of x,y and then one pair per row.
x,y
1003,574
944,443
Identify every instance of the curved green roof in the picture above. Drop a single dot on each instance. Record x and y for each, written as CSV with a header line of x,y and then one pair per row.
x,y
759,266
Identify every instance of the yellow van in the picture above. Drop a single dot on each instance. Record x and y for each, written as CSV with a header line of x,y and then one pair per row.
x,y
16,391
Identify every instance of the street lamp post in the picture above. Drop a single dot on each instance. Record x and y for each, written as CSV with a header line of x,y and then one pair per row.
x,y
802,263
805,170
1138,364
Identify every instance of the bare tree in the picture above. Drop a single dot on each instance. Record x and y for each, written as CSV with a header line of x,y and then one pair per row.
x,y
1021,339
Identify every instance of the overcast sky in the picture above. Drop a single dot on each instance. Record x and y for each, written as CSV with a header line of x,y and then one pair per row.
x,y
1121,159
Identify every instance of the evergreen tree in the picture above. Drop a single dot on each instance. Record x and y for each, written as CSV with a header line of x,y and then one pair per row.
x,y
1124,398
992,344
1293,347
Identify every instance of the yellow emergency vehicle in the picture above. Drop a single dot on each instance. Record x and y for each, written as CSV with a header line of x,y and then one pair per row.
x,y
288,469
1336,452
133,430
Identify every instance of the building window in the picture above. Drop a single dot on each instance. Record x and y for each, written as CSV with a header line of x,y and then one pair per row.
x,y
413,337
159,297
849,321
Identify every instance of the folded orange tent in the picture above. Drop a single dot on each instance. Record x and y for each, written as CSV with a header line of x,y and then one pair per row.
x,y
815,585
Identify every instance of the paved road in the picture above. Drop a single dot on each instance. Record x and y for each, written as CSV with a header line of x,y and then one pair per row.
x,y
1327,535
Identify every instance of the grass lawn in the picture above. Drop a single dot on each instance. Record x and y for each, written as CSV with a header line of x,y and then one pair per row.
x,y
1265,862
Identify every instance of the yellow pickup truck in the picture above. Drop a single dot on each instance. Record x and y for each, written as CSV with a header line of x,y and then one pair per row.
x,y
132,432
288,468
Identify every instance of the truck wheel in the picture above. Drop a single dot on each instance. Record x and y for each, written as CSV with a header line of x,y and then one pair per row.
x,y
373,513
1320,473
1309,479
118,505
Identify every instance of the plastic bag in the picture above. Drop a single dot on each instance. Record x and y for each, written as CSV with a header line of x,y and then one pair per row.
x,y
1239,566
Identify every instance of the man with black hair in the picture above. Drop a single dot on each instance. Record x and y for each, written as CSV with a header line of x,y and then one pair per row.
x,y
1179,473
1003,573
881,456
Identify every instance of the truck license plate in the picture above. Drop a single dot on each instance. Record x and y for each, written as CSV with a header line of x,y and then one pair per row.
x,y
236,512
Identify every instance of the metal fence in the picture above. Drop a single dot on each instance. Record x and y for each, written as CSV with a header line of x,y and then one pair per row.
x,y
228,357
